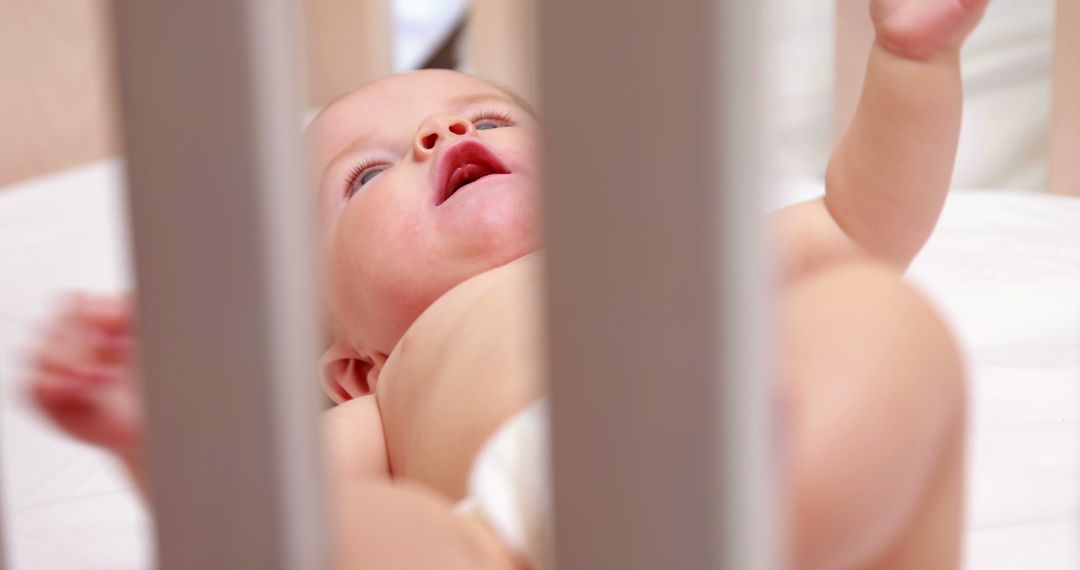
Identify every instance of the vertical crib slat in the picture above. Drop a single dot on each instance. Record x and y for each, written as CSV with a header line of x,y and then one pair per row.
x,y
348,44
220,219
661,430
3,522
1065,120
502,43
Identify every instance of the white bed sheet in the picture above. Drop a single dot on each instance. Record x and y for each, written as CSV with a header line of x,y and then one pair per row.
x,y
1004,267
65,505
1005,270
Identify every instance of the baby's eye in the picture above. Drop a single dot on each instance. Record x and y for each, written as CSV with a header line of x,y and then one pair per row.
x,y
492,120
370,173
361,175
486,124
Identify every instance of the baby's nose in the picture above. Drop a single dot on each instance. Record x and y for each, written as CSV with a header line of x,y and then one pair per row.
x,y
436,128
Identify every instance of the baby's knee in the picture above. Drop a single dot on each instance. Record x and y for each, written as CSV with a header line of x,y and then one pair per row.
x,y
877,389
866,317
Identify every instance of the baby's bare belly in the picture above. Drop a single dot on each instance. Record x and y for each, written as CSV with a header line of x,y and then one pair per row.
x,y
467,365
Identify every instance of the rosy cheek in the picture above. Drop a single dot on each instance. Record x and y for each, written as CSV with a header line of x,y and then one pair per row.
x,y
411,232
372,237
526,158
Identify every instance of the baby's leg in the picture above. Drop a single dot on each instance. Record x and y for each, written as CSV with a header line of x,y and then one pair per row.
x,y
403,526
877,424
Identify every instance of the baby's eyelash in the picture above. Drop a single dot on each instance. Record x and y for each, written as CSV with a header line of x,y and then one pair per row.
x,y
493,114
355,173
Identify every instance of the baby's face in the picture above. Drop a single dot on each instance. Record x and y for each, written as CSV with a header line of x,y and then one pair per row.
x,y
425,179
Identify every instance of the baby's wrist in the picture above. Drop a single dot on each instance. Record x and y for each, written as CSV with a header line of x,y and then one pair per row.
x,y
919,54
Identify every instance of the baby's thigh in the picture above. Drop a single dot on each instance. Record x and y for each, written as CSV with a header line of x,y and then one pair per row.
x,y
876,388
379,525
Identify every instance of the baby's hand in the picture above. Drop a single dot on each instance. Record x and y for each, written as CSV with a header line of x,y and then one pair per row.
x,y
923,29
82,373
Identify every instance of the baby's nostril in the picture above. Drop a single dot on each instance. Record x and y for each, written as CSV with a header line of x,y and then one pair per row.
x,y
459,128
429,141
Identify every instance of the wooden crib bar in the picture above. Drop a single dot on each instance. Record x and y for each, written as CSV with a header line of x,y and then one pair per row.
x,y
223,244
502,43
1065,120
661,439
348,44
3,523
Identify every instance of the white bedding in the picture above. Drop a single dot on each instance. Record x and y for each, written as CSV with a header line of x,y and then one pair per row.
x,y
65,505
1004,267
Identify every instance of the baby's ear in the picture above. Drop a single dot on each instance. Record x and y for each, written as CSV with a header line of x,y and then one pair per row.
x,y
345,373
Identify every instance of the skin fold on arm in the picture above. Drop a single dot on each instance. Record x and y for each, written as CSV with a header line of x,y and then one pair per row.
x,y
890,173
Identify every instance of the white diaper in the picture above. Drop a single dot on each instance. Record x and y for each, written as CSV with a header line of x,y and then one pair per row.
x,y
509,486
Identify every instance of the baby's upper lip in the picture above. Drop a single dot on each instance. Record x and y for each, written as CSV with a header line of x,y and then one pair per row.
x,y
464,163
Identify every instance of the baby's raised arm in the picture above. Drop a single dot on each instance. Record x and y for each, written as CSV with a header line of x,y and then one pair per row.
x,y
890,173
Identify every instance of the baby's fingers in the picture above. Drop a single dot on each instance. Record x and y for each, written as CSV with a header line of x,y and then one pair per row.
x,y
97,415
112,315
975,4
69,347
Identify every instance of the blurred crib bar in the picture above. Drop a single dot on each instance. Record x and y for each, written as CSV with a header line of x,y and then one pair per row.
x,y
502,43
1065,120
3,552
348,44
221,228
661,435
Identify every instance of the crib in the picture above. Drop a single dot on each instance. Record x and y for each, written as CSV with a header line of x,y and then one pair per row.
x,y
255,499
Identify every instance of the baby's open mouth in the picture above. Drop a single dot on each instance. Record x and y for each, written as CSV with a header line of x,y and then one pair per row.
x,y
463,164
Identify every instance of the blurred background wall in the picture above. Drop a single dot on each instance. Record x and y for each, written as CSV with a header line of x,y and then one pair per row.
x,y
56,86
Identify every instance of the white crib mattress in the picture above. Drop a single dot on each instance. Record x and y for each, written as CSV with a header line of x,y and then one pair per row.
x,y
1005,270
1004,267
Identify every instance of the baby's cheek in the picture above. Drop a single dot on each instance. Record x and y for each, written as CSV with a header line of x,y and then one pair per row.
x,y
510,227
404,281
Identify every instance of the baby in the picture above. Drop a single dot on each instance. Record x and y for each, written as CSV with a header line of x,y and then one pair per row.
x,y
428,188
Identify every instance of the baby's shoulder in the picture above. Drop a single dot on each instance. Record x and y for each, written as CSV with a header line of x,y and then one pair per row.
x,y
518,278
501,301
509,289
354,441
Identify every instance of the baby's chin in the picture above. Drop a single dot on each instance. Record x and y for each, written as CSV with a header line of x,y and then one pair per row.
x,y
388,307
495,221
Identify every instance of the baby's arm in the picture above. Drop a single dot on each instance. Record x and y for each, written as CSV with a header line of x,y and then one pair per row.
x,y
381,523
890,173
355,444
82,376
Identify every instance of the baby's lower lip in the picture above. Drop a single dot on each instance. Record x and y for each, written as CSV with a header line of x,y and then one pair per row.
x,y
465,173
476,184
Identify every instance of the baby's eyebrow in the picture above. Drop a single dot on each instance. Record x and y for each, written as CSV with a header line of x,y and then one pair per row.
x,y
467,100
354,145
357,144
506,98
